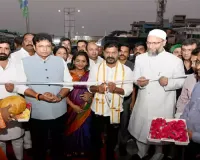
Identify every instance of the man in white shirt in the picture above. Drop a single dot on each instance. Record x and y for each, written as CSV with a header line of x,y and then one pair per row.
x,y
108,98
10,71
66,42
93,54
26,51
156,73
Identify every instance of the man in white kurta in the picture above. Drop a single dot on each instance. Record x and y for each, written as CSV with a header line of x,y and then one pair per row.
x,y
108,98
26,51
10,71
154,74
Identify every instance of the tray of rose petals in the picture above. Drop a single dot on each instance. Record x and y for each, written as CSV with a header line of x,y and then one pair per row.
x,y
168,130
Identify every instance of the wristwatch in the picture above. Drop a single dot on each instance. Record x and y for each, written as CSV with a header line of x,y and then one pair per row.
x,y
59,96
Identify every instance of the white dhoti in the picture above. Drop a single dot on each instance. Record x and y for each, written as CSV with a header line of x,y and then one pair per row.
x,y
13,132
142,149
27,140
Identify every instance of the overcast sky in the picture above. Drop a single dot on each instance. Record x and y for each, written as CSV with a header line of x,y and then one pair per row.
x,y
97,16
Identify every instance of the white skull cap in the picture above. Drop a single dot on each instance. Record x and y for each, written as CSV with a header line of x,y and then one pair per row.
x,y
158,33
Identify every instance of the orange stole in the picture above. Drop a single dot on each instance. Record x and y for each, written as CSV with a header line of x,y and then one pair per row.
x,y
2,155
80,119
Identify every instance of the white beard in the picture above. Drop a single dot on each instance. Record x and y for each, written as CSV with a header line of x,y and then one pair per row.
x,y
152,53
155,53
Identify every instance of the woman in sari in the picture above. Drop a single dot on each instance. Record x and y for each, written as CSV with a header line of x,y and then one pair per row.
x,y
78,113
61,51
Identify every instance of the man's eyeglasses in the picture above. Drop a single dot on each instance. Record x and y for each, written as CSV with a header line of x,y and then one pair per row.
x,y
153,43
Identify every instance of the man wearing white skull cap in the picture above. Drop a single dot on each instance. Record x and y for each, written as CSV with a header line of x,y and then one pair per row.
x,y
155,72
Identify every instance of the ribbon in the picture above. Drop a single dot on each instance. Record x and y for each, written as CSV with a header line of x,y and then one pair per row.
x,y
81,83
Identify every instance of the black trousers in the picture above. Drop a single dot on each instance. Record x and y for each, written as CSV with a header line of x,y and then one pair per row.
x,y
192,150
99,123
40,130
124,134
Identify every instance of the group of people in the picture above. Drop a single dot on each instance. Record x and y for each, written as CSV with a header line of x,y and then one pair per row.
x,y
117,96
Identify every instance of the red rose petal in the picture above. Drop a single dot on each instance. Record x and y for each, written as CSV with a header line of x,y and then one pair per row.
x,y
173,130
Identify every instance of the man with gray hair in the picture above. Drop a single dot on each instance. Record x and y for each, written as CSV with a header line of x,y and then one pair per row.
x,y
155,73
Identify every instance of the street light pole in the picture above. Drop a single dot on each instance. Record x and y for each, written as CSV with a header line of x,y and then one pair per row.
x,y
27,24
69,22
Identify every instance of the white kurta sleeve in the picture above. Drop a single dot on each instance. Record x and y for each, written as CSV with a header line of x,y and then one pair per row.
x,y
21,77
92,76
137,72
67,77
174,84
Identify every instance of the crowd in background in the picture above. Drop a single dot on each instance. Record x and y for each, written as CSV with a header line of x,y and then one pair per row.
x,y
77,120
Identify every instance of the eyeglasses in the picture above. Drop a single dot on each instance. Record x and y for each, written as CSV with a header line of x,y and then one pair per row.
x,y
153,43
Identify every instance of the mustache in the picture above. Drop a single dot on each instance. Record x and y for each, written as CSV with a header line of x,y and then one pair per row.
x,y
110,58
3,54
30,45
122,55
137,53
